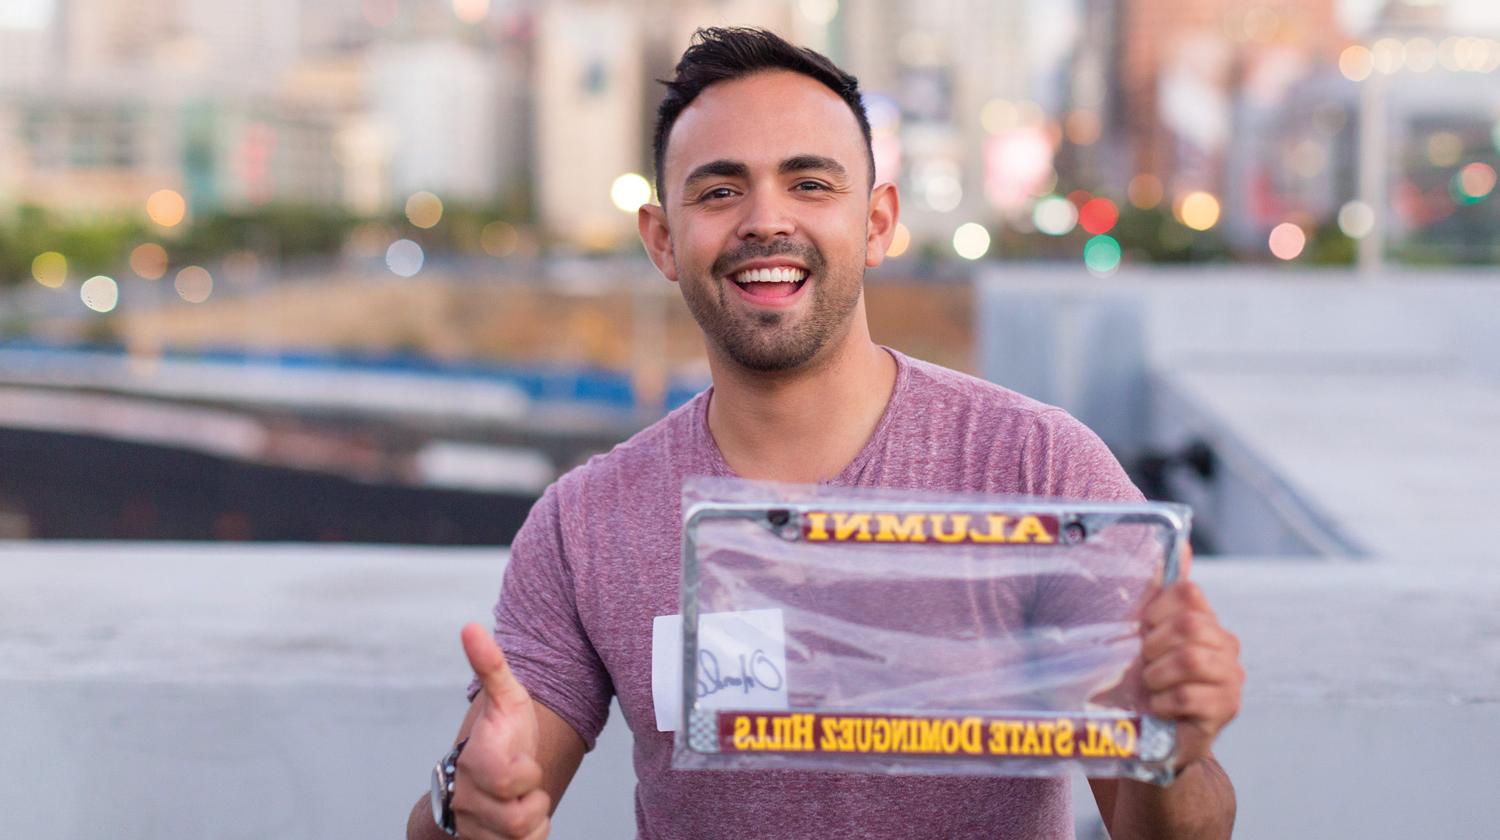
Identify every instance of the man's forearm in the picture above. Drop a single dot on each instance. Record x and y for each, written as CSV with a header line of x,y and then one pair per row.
x,y
1198,805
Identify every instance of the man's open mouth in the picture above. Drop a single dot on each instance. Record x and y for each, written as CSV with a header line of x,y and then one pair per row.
x,y
781,281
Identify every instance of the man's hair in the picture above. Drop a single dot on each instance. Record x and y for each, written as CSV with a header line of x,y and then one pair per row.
x,y
720,54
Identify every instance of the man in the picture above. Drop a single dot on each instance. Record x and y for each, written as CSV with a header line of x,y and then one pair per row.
x,y
769,216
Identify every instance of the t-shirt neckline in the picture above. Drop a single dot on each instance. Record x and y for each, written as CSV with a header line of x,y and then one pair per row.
x,y
719,467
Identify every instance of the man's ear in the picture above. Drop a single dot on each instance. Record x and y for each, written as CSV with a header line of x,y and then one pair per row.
x,y
651,219
880,228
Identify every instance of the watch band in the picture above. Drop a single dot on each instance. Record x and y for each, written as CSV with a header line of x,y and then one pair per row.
x,y
444,776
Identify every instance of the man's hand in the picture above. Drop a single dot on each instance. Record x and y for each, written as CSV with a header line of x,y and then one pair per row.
x,y
498,792
1191,668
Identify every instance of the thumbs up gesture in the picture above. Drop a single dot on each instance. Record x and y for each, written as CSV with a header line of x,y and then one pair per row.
x,y
498,791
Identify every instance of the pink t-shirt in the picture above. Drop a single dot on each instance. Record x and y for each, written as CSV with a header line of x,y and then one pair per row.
x,y
599,558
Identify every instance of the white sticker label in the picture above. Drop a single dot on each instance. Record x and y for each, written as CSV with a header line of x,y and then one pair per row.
x,y
741,663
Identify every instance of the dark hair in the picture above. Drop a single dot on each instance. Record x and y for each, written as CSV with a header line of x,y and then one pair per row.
x,y
720,54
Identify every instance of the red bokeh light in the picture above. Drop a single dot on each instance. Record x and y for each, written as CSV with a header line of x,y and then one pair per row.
x,y
1098,216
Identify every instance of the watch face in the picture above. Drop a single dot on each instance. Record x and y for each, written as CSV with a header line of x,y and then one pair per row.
x,y
439,787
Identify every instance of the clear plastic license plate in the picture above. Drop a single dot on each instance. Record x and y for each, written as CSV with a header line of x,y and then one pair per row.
x,y
883,631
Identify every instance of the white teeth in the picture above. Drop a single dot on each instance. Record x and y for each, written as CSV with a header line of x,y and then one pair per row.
x,y
771,275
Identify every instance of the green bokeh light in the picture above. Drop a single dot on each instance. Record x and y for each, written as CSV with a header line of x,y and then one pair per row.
x,y
1101,254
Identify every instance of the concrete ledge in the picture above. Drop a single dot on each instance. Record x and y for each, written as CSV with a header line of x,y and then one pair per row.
x,y
303,692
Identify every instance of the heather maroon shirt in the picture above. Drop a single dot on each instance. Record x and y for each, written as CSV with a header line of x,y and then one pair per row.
x,y
599,558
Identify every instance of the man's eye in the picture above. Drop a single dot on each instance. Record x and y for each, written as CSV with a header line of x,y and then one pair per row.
x,y
811,185
716,192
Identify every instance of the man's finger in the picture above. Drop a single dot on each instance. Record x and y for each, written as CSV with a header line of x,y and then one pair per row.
x,y
1192,664
489,665
523,776
481,816
1186,628
1182,596
1212,704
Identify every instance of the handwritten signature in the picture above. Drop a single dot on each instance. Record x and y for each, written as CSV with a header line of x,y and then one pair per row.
x,y
756,669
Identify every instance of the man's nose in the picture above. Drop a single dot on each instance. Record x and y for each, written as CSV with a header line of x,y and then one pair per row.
x,y
766,217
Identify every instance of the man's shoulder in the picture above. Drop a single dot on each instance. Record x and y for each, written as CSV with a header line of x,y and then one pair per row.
x,y
933,385
646,457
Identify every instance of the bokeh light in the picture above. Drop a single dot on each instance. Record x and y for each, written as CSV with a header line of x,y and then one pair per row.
x,y
404,258
1474,182
1198,210
1444,148
998,115
423,209
471,11
820,12
194,284
630,191
1054,215
1388,54
1448,54
149,261
940,186
499,239
1356,219
1356,63
1101,255
971,241
1082,127
1145,191
1287,241
100,293
1098,215
50,269
1421,54
900,241
166,208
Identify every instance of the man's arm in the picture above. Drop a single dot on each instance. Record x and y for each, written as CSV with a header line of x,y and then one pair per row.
x,y
519,760
1199,803
1192,676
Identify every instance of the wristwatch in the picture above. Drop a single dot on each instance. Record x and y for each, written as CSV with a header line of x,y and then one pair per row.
x,y
443,777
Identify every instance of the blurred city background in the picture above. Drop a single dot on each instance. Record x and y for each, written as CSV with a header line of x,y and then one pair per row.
x,y
276,273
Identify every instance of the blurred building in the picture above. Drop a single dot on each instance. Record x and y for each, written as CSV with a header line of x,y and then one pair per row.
x,y
103,102
1434,108
952,106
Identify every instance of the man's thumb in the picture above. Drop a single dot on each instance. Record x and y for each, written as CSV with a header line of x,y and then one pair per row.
x,y
490,666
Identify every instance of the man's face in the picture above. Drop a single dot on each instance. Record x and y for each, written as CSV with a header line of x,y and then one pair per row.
x,y
767,204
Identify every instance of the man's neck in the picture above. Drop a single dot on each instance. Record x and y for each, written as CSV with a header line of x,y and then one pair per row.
x,y
804,426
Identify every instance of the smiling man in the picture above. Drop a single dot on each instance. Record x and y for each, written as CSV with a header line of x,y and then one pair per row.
x,y
769,217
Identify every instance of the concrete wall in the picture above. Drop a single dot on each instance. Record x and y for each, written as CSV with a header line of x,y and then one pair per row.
x,y
1089,345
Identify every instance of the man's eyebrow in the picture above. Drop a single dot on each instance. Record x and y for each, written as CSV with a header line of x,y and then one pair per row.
x,y
717,169
815,163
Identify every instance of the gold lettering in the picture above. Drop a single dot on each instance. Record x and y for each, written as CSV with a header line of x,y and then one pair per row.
x,y
1090,747
1030,529
851,524
817,527
1030,744
996,534
741,732
973,735
900,730
959,531
802,732
830,736
895,528
1125,738
1064,740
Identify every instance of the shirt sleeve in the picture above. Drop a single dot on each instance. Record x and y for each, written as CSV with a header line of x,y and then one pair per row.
x,y
538,626
1063,459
